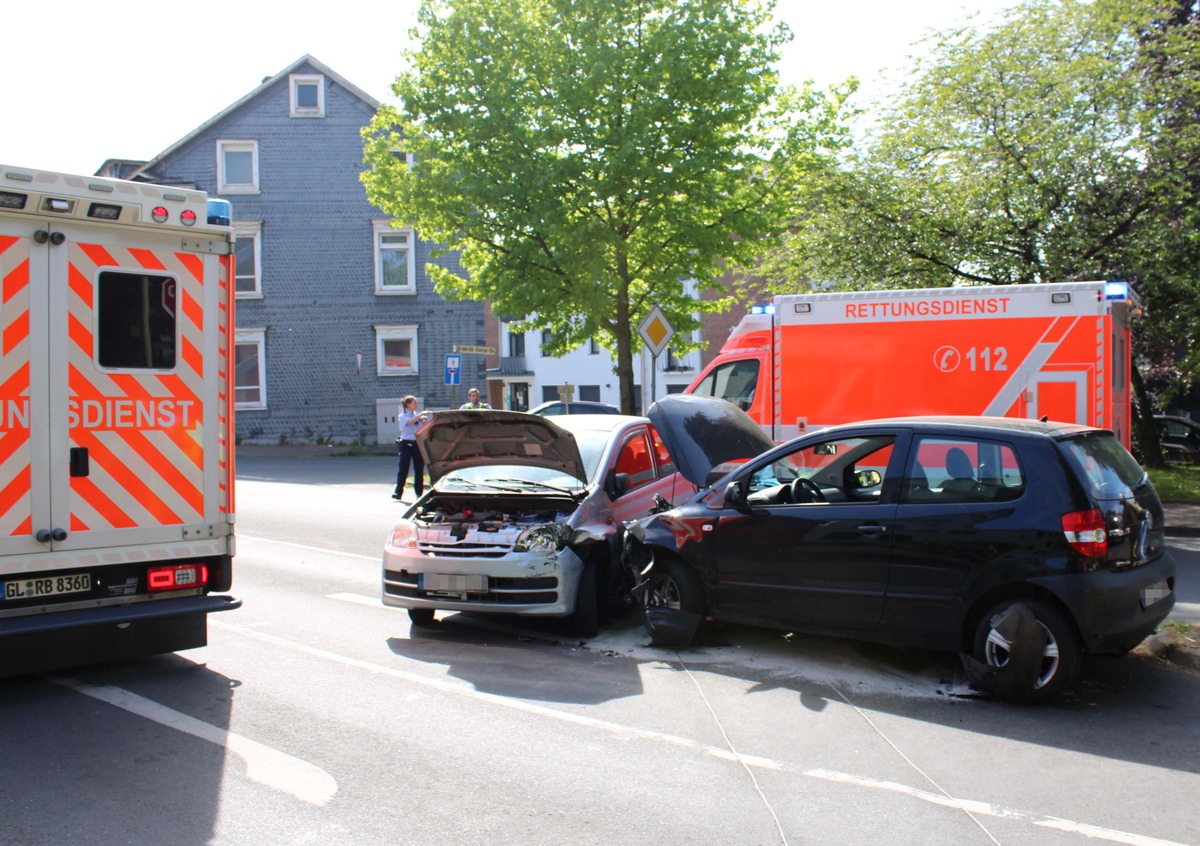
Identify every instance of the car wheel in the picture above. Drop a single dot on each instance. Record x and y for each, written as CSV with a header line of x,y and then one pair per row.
x,y
422,617
1062,657
585,622
673,602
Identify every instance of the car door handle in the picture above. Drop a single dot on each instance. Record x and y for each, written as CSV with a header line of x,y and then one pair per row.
x,y
872,529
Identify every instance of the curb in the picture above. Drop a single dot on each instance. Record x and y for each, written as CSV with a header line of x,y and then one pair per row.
x,y
1174,648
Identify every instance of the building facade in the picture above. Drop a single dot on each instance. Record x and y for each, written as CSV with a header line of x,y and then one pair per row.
x,y
336,316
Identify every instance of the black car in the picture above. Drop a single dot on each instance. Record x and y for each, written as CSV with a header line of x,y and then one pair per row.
x,y
1180,438
924,532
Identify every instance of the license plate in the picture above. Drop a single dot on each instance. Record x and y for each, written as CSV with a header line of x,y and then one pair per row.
x,y
452,582
1157,592
33,588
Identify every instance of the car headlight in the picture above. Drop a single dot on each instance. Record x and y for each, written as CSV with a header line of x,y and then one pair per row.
x,y
546,538
404,535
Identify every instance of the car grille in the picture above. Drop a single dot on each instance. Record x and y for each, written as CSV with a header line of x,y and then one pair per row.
x,y
542,590
464,549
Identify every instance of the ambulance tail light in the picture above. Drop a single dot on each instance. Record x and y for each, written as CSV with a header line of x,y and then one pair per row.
x,y
177,577
12,200
1085,532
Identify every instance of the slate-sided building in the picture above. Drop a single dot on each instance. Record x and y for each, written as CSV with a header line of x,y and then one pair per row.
x,y
336,317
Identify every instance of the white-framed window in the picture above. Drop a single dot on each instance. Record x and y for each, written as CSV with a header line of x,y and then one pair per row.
x,y
250,369
396,350
248,258
395,259
307,94
237,167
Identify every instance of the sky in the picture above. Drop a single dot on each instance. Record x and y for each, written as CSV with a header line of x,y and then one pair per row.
x,y
88,81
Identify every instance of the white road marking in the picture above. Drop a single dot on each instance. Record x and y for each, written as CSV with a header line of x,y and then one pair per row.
x,y
267,766
377,558
465,690
991,810
358,599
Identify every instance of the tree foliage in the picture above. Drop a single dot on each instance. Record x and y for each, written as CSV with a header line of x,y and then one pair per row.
x,y
587,156
1060,143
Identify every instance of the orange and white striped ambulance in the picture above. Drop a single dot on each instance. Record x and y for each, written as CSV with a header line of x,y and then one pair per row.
x,y
116,418
1060,351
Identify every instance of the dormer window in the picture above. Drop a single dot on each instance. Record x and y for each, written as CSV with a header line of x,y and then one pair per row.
x,y
307,95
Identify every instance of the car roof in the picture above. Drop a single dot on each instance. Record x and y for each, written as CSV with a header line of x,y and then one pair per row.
x,y
592,406
595,422
1048,428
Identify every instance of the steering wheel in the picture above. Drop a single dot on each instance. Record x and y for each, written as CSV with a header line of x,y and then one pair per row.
x,y
811,493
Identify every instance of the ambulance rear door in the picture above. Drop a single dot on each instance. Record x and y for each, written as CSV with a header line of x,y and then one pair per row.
x,y
105,361
133,444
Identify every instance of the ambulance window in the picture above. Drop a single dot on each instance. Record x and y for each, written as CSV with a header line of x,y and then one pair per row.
x,y
735,381
135,321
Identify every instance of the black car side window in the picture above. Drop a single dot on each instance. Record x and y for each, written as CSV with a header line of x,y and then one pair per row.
x,y
962,470
836,471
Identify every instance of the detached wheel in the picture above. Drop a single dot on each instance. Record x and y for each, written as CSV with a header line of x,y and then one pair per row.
x,y
1062,657
673,602
585,622
422,618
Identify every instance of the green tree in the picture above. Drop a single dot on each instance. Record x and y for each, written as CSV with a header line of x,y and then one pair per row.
x,y
1057,144
587,156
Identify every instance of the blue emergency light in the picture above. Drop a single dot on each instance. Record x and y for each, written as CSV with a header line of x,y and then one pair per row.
x,y
220,212
1116,290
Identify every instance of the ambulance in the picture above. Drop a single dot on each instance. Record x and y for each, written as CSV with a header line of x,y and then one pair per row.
x,y
1059,351
116,418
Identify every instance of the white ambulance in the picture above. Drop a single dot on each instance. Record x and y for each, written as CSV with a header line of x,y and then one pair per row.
x,y
116,418
1060,351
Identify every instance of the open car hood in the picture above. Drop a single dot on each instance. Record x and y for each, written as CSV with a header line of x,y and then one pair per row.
x,y
453,440
702,432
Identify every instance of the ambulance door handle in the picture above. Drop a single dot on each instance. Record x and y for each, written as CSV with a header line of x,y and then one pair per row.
x,y
46,535
79,461
59,534
43,536
55,238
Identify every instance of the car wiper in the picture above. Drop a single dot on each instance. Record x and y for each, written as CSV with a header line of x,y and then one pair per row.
x,y
531,483
459,480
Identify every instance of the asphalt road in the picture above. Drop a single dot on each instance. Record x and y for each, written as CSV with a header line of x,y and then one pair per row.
x,y
315,715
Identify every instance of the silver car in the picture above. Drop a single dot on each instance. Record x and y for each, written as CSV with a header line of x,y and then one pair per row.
x,y
525,515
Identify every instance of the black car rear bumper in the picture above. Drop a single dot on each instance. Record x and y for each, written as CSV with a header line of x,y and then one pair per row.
x,y
1116,610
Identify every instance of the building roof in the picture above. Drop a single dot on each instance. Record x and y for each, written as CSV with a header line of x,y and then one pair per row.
x,y
146,170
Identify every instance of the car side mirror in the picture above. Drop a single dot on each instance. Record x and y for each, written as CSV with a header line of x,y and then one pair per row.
x,y
733,494
616,484
867,479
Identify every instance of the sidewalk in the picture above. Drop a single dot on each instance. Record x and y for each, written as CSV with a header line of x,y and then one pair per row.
x,y
1183,519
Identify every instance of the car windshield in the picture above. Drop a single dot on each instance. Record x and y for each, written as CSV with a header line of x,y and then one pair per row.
x,y
511,477
1105,467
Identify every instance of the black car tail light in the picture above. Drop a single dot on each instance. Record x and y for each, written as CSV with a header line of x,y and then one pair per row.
x,y
1085,532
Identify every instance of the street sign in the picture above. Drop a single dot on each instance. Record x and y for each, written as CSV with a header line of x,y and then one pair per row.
x,y
453,369
656,331
467,348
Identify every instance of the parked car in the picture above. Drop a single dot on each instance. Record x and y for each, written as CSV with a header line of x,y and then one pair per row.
x,y
922,532
525,513
1180,438
554,409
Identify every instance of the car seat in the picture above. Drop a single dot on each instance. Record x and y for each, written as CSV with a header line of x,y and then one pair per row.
x,y
962,473
916,486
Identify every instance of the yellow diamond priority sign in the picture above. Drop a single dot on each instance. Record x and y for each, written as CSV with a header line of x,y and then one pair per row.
x,y
656,331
